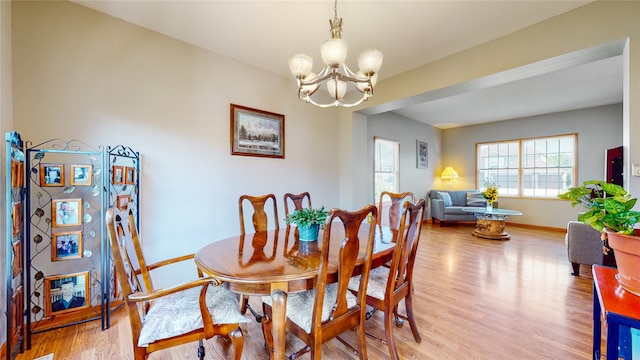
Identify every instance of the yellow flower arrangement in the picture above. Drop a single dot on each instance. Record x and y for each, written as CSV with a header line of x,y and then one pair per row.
x,y
490,193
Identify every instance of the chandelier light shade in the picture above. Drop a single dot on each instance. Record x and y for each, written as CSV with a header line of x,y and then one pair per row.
x,y
336,76
448,174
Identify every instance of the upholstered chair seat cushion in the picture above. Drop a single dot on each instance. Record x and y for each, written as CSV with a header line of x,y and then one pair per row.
x,y
300,305
377,282
179,313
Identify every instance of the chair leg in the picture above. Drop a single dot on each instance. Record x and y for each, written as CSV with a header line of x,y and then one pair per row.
x,y
200,350
388,333
237,339
408,303
266,328
576,269
361,341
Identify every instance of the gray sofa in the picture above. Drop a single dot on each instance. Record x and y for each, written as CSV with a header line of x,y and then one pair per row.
x,y
445,211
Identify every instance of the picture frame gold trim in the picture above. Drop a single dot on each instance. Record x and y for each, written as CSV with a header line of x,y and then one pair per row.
x,y
256,132
48,176
17,258
122,201
53,292
117,176
66,217
77,181
57,254
129,175
16,218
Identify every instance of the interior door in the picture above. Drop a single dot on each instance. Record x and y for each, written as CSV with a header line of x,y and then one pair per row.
x,y
614,166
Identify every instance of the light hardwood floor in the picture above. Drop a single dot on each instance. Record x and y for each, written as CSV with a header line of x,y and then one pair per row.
x,y
474,298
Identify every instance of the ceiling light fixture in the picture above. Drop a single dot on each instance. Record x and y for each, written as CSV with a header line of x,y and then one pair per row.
x,y
335,73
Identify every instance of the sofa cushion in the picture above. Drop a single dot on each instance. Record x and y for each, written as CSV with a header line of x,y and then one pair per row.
x,y
456,210
475,199
447,198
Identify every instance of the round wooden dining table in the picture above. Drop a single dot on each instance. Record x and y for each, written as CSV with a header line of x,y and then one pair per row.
x,y
277,263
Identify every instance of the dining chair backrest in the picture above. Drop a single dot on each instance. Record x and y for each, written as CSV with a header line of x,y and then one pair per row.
x,y
297,200
401,270
343,316
394,202
260,218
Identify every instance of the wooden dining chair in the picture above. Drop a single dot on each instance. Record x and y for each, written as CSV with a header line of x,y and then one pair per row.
x,y
260,218
329,309
297,201
396,201
260,221
387,286
205,309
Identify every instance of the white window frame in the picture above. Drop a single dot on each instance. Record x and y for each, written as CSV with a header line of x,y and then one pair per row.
x,y
394,171
540,167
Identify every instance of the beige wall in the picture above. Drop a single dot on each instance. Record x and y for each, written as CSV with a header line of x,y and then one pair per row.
x,y
79,74
586,27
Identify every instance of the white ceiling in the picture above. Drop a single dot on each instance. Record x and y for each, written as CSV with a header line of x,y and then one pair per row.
x,y
265,33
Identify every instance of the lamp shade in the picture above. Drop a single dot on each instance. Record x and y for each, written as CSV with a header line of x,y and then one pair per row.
x,y
336,88
448,173
334,52
310,89
300,64
370,61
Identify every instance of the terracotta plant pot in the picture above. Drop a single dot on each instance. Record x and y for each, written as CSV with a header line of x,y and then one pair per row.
x,y
626,249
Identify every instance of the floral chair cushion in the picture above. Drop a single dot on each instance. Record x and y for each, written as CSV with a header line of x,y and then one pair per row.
x,y
377,285
179,313
300,305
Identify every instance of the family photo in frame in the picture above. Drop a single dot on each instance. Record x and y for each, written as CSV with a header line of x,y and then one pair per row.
x,y
66,246
66,212
256,132
81,175
66,293
51,175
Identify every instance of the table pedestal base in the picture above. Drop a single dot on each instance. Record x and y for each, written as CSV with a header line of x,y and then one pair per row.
x,y
490,229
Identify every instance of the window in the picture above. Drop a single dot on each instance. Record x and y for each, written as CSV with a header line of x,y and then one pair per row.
x,y
539,167
386,169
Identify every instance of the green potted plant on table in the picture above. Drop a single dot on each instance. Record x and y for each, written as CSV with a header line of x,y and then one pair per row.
x,y
308,221
610,211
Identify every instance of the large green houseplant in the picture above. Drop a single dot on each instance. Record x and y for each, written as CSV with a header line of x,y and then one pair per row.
x,y
610,211
308,221
608,206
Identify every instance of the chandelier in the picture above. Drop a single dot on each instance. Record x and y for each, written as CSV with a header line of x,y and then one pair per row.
x,y
335,74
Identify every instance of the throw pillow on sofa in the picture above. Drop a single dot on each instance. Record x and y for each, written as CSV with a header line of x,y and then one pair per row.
x,y
475,199
447,198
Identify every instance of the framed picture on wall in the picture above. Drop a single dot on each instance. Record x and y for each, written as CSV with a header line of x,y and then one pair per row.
x,y
17,258
256,132
122,201
129,175
422,154
66,246
51,175
81,175
117,175
16,218
66,212
66,293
